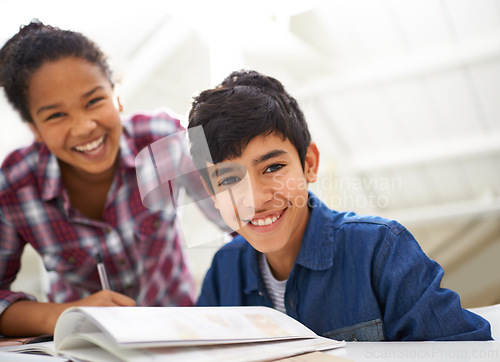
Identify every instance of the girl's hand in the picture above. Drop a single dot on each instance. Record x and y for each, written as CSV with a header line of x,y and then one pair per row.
x,y
26,318
103,298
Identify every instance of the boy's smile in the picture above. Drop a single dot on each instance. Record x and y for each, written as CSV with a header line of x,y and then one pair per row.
x,y
263,194
266,220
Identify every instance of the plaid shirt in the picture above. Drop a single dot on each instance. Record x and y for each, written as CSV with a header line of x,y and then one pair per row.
x,y
140,247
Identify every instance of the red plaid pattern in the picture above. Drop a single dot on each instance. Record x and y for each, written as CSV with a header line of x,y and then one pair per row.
x,y
140,248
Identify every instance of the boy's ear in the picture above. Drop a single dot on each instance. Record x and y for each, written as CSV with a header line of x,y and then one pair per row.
x,y
35,131
311,163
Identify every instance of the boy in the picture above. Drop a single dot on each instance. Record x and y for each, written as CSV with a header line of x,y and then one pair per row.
x,y
343,275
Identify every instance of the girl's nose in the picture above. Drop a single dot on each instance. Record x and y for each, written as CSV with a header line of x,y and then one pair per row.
x,y
82,125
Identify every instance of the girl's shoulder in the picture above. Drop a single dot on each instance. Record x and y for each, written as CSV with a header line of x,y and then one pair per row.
x,y
20,167
152,124
143,129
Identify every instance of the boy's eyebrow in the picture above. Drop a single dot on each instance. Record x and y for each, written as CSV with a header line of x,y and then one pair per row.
x,y
269,155
52,106
221,170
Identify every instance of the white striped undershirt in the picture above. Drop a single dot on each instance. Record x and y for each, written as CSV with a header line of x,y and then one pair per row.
x,y
275,288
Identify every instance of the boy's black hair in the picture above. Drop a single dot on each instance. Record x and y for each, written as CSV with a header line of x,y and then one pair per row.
x,y
34,45
245,105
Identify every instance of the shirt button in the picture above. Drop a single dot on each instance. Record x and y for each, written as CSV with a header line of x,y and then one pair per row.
x,y
71,260
155,224
121,261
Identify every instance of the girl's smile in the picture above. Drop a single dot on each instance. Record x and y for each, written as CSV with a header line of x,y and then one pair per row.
x,y
75,114
92,147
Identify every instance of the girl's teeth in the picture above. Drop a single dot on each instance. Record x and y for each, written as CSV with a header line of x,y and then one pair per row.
x,y
90,146
267,221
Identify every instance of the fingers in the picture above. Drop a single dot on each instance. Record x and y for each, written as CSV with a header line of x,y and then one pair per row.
x,y
122,300
106,298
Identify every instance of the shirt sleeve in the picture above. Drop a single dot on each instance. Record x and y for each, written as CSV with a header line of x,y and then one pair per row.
x,y
414,305
11,249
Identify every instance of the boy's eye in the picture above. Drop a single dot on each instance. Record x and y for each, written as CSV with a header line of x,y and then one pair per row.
x,y
224,175
228,181
274,168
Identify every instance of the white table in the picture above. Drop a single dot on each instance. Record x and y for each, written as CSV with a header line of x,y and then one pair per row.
x,y
420,351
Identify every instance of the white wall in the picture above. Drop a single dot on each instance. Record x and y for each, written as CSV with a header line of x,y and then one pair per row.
x,y
404,92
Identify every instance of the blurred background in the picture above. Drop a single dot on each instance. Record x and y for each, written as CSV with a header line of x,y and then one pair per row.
x,y
401,96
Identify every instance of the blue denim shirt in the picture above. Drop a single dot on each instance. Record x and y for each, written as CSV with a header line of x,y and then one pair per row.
x,y
356,277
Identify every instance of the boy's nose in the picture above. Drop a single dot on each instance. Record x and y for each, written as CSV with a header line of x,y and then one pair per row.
x,y
248,200
261,193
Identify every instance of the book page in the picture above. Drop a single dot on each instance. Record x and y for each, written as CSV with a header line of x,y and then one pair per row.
x,y
28,357
95,346
133,327
246,352
46,348
35,352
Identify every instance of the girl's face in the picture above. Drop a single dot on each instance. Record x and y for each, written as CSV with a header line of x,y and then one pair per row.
x,y
76,115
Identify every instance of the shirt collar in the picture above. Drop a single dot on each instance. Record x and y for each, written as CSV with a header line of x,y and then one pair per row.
x,y
128,150
252,276
49,174
316,251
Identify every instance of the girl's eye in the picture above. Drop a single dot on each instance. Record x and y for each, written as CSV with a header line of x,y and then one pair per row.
x,y
55,116
94,101
274,168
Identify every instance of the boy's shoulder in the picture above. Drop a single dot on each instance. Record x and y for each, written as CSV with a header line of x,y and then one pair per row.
x,y
348,220
361,221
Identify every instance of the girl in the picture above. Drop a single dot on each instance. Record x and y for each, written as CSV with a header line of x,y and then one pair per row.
x,y
73,193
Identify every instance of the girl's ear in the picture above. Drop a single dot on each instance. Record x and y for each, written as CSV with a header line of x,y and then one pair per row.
x,y
311,163
35,131
118,104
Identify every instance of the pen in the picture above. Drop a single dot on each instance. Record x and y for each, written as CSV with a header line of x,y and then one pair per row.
x,y
102,272
38,339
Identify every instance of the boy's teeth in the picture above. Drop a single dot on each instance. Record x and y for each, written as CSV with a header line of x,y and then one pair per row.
x,y
90,146
267,221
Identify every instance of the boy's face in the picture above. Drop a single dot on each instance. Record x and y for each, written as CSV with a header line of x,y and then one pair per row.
x,y
263,194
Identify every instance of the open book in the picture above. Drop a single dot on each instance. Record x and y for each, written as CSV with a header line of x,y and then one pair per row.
x,y
181,333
